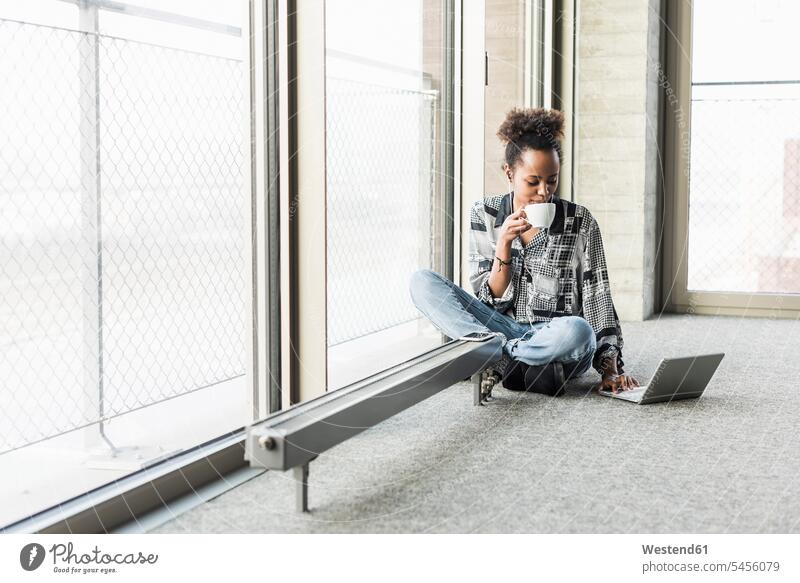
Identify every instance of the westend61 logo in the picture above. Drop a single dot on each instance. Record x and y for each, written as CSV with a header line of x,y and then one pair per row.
x,y
32,556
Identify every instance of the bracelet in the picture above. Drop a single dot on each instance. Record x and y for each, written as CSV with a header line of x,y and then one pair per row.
x,y
605,364
502,263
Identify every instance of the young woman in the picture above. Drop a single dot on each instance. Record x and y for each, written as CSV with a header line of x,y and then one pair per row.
x,y
545,291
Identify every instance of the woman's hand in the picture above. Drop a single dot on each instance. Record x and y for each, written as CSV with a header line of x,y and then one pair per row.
x,y
617,382
611,380
515,224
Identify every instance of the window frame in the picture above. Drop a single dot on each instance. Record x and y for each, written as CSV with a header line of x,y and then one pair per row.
x,y
148,492
676,297
305,274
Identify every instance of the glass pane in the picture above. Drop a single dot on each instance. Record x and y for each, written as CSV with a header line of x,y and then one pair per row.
x,y
384,84
123,268
745,40
744,198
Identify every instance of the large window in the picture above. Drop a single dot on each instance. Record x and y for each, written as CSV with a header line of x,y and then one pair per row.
x,y
732,179
123,218
388,85
744,184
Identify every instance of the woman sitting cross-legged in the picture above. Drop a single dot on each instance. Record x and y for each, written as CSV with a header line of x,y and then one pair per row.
x,y
543,290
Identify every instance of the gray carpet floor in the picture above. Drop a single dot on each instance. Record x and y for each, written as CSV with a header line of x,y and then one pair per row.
x,y
581,463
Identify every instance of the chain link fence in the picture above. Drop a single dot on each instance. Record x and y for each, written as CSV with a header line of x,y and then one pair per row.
x,y
381,180
123,230
744,212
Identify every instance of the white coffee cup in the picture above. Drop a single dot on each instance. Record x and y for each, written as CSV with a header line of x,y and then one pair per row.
x,y
541,215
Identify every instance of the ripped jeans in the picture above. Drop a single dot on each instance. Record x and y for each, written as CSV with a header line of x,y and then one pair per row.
x,y
455,312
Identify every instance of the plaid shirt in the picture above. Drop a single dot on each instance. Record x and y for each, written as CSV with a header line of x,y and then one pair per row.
x,y
560,272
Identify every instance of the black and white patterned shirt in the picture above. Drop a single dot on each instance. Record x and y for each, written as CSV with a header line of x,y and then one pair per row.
x,y
560,272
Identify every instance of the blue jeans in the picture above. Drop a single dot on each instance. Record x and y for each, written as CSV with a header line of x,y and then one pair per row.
x,y
567,339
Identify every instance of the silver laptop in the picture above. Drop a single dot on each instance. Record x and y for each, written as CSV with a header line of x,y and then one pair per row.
x,y
675,378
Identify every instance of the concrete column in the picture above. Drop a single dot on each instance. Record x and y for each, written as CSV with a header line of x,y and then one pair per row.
x,y
617,155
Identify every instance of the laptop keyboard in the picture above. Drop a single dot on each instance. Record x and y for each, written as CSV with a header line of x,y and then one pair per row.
x,y
632,394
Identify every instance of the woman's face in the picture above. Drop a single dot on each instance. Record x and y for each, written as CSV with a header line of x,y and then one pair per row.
x,y
534,179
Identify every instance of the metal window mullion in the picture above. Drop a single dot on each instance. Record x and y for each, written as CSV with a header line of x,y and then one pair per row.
x,y
676,177
265,256
92,296
563,88
547,30
447,121
260,345
273,130
455,84
534,57
471,119
574,27
286,137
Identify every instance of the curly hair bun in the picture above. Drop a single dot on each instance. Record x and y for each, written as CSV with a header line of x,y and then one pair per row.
x,y
524,124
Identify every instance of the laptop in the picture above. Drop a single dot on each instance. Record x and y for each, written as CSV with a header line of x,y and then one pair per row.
x,y
674,379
